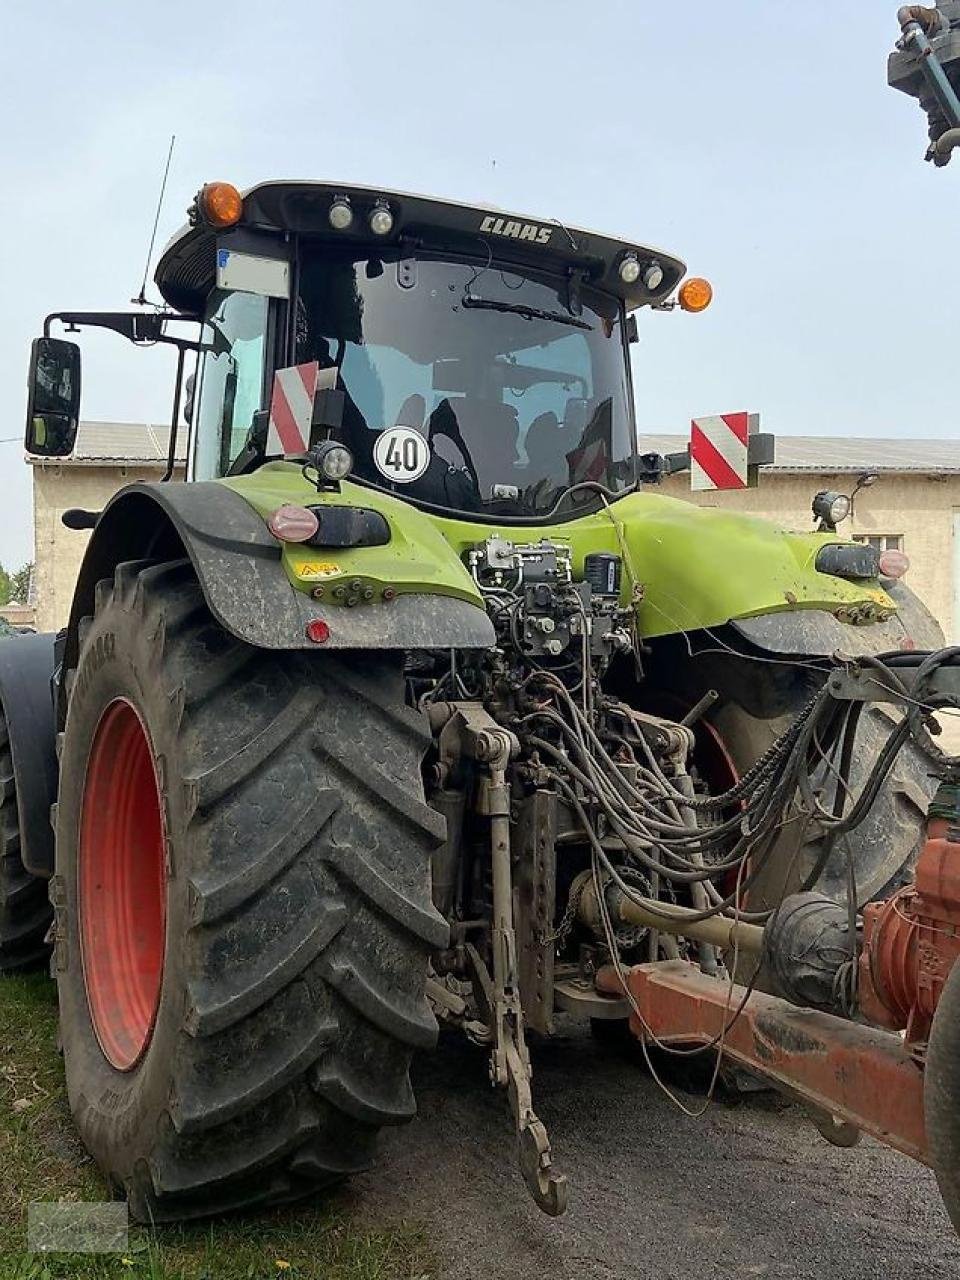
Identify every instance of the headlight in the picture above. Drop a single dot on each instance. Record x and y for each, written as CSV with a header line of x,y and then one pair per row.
x,y
831,507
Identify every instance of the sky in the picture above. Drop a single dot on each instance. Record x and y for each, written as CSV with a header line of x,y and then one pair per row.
x,y
757,139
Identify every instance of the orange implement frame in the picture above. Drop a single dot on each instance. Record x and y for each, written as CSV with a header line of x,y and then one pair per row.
x,y
861,1075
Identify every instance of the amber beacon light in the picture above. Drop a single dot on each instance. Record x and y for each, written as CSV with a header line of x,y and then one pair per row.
x,y
219,204
695,294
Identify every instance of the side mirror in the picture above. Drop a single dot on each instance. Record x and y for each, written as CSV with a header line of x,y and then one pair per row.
x,y
53,398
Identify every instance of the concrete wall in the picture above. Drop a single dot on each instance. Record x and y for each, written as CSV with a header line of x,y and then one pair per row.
x,y
922,509
58,551
19,615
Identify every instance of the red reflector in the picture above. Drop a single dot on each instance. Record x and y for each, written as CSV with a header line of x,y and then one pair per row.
x,y
293,524
893,564
908,644
318,631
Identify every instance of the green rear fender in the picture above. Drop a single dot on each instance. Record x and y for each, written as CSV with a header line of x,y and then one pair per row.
x,y
702,566
698,566
417,559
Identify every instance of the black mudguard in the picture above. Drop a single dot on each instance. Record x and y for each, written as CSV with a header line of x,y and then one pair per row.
x,y
26,693
817,632
238,564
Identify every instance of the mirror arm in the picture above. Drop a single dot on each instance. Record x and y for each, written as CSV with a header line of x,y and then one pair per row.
x,y
127,324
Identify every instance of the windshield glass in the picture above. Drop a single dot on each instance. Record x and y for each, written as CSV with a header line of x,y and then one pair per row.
x,y
505,395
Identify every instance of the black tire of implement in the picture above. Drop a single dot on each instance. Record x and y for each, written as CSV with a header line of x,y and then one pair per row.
x,y
25,911
941,1095
299,914
885,846
758,701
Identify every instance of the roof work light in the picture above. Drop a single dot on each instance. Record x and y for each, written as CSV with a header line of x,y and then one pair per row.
x,y
340,215
381,219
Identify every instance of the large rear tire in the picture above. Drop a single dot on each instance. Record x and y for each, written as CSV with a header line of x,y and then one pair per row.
x,y
25,912
243,928
884,847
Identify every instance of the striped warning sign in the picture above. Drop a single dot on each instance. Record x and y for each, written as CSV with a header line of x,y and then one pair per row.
x,y
291,408
719,451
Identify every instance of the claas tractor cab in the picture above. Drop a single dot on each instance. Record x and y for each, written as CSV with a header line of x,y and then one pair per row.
x,y
498,367
420,702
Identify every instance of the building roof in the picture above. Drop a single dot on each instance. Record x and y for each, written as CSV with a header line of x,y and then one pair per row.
x,y
843,453
146,444
118,444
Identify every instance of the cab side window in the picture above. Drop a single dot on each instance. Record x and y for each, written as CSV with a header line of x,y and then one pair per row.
x,y
230,388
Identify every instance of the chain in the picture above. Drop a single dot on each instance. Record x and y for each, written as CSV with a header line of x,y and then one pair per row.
x,y
567,920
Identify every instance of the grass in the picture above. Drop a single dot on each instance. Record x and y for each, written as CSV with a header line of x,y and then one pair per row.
x,y
41,1159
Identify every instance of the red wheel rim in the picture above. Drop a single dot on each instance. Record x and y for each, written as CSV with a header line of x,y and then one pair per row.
x,y
122,886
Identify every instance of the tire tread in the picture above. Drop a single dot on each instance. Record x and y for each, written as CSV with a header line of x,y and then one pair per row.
x,y
306,852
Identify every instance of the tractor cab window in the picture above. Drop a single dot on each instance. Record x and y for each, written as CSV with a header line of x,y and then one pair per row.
x,y
230,380
515,391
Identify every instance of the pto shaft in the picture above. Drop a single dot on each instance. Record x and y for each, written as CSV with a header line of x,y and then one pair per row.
x,y
667,917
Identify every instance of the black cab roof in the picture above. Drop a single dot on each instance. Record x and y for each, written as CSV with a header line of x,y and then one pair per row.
x,y
287,209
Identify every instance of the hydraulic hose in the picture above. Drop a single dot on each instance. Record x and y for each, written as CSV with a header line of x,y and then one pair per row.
x,y
946,144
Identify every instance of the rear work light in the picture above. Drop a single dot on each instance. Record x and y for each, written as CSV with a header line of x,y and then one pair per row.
x,y
893,564
293,524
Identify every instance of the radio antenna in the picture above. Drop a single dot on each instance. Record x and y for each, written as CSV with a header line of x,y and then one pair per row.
x,y
141,299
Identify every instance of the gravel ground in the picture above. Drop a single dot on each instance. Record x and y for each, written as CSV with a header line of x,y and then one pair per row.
x,y
750,1189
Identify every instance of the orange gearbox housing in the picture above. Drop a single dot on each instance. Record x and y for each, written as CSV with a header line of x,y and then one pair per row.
x,y
911,941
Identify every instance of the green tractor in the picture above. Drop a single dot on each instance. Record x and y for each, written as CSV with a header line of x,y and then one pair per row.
x,y
418,703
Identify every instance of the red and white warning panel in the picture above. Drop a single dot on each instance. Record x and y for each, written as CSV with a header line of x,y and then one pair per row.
x,y
720,451
291,408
